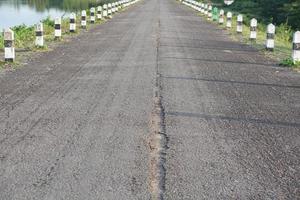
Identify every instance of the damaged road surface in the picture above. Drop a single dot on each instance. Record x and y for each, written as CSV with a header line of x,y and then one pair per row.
x,y
156,103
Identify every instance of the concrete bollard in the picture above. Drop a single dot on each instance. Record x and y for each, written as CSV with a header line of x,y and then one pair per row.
x,y
229,20
205,9
117,6
239,26
39,35
104,11
83,19
57,27
109,12
112,8
296,47
209,15
92,13
9,46
99,12
270,43
253,27
201,8
221,17
72,22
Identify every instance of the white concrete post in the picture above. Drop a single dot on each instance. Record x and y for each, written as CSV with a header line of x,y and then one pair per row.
x,y
72,22
92,13
114,8
99,12
239,26
205,9
105,11
57,27
117,6
209,16
221,17
39,35
9,46
270,43
109,12
83,19
195,5
228,20
253,27
201,8
296,47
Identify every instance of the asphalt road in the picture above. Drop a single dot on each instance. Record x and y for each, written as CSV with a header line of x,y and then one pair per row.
x,y
74,122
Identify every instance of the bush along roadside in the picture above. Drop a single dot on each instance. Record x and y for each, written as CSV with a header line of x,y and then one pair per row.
x,y
279,43
22,38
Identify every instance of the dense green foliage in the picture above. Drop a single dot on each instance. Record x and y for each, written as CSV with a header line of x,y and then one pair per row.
x,y
275,11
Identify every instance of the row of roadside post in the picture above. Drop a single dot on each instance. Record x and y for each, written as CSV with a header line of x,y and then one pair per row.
x,y
105,11
214,14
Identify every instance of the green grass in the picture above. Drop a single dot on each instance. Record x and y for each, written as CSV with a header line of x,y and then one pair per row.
x,y
25,37
288,62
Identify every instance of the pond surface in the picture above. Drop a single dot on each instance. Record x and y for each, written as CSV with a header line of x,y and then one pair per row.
x,y
29,12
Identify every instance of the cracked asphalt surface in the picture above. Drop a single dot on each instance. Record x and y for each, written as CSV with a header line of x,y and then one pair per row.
x,y
74,122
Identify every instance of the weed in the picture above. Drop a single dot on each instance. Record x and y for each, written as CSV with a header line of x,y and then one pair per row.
x,y
288,62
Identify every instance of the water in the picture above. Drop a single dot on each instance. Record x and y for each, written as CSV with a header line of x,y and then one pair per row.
x,y
29,12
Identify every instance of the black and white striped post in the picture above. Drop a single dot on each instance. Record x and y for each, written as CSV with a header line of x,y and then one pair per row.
x,y
57,27
205,9
201,8
296,47
209,15
83,19
239,26
105,11
39,35
221,17
270,43
253,29
109,12
92,17
99,12
229,20
117,6
72,22
114,10
9,46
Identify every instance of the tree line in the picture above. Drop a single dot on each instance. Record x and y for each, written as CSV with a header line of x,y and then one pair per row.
x,y
269,11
